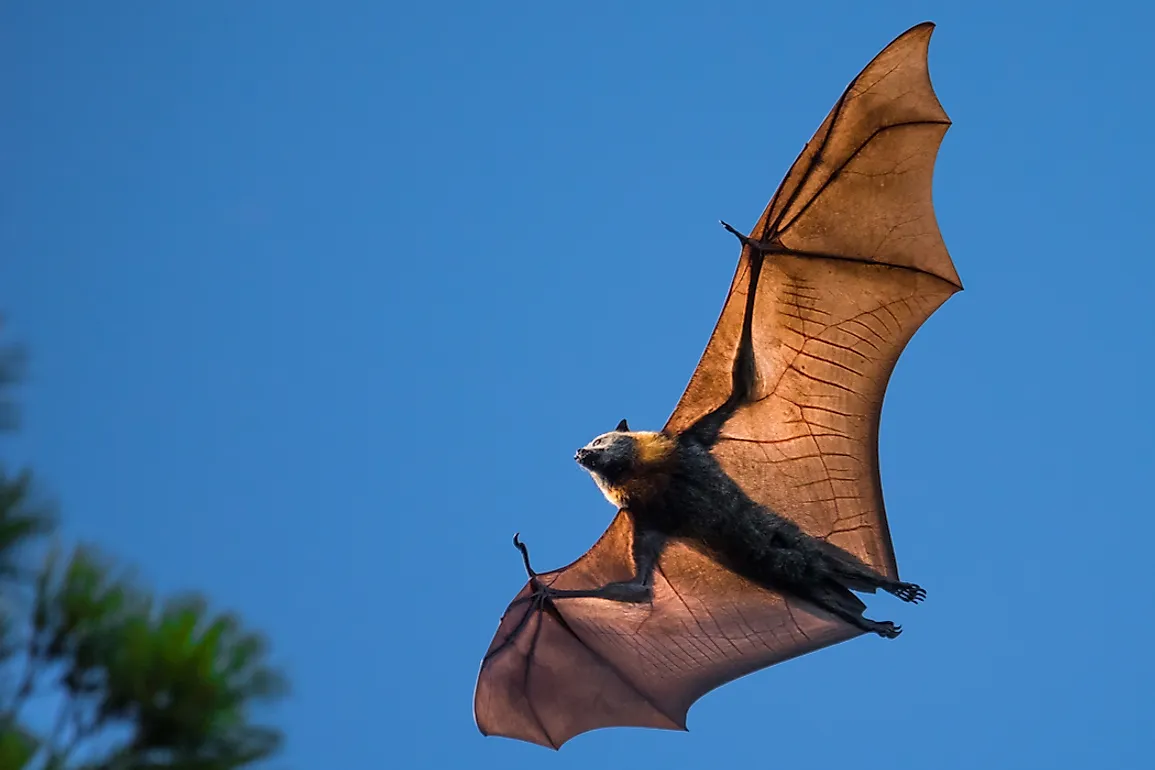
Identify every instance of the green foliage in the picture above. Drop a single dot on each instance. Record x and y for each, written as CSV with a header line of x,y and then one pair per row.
x,y
17,748
142,683
11,367
22,521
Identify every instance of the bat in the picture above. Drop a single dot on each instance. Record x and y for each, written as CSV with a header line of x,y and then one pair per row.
x,y
745,525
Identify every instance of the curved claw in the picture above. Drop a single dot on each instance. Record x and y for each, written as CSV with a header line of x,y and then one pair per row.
x,y
910,592
734,232
524,555
888,630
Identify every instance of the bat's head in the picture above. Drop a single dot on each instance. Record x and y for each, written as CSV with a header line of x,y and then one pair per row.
x,y
621,456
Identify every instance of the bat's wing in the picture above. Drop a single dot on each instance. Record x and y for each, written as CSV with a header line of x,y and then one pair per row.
x,y
574,665
858,265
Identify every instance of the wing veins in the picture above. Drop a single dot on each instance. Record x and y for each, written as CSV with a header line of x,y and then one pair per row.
x,y
525,683
835,173
815,160
706,607
610,665
509,639
831,383
830,361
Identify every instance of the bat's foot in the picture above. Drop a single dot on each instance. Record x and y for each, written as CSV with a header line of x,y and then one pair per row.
x,y
908,592
885,629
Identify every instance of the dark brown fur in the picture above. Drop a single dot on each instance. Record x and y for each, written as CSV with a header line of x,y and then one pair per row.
x,y
674,487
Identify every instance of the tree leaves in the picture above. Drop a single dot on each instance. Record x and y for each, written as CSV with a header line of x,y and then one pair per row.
x,y
143,683
23,520
12,363
181,678
17,747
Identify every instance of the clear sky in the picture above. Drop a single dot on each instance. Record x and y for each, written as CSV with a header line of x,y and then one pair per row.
x,y
323,296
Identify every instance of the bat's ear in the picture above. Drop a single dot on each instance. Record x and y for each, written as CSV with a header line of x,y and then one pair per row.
x,y
623,426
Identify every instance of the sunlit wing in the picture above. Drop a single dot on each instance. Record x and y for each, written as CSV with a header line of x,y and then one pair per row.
x,y
861,265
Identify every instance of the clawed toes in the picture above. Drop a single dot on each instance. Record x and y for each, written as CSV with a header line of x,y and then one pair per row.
x,y
910,592
889,630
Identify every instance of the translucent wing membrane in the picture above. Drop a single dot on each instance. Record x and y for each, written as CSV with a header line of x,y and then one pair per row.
x,y
854,265
580,664
859,265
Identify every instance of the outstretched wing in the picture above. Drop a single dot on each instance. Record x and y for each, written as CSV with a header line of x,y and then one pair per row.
x,y
575,665
857,265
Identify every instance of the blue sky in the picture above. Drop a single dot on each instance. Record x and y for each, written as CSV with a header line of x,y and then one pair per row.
x,y
322,297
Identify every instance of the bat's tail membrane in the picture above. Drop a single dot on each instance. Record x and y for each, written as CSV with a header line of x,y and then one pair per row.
x,y
838,595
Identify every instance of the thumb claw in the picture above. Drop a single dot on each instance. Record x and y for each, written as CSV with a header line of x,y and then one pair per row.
x,y
524,554
733,231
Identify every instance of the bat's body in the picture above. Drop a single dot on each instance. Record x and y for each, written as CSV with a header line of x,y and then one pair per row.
x,y
674,487
745,524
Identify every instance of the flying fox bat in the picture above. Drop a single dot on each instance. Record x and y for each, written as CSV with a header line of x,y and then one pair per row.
x,y
745,524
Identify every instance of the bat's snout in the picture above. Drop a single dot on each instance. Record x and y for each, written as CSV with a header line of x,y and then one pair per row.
x,y
590,459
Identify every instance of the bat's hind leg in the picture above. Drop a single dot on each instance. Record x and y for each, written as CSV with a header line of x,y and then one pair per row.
x,y
860,577
838,601
884,628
